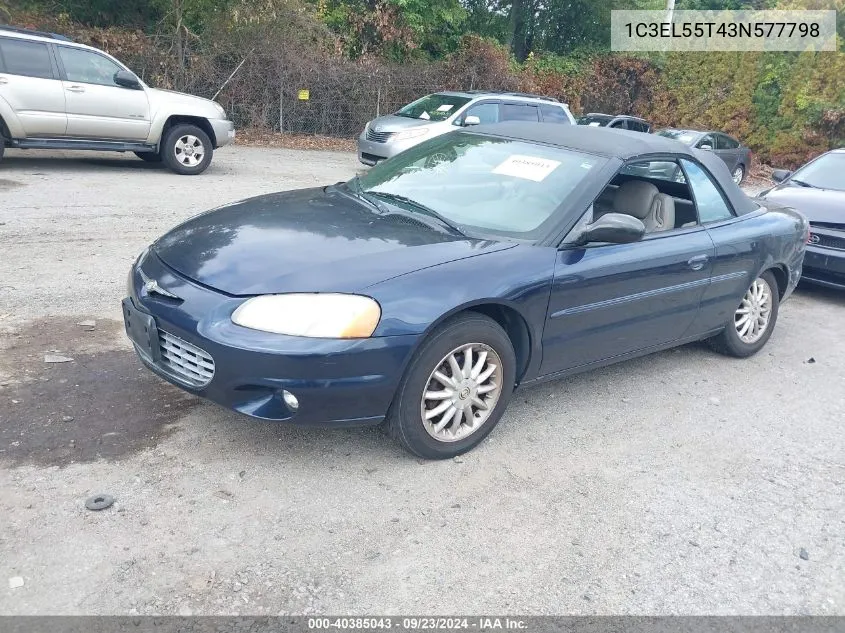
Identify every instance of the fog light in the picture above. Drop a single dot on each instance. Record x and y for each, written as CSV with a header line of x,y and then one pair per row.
x,y
290,400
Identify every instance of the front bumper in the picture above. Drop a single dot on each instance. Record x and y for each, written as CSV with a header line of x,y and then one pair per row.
x,y
224,131
337,382
371,152
824,266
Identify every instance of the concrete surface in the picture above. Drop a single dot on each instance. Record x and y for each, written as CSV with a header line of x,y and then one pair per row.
x,y
681,483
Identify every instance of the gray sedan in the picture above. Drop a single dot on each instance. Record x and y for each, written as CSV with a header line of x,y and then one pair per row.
x,y
736,155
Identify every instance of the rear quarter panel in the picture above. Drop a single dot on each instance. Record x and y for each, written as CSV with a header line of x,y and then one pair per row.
x,y
772,237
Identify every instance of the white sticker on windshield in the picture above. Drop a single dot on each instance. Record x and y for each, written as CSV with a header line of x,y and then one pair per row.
x,y
527,167
446,107
595,124
425,116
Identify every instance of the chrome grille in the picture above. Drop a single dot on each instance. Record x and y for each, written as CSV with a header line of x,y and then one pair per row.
x,y
378,137
185,361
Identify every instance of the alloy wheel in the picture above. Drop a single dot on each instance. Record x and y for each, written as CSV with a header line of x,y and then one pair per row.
x,y
461,393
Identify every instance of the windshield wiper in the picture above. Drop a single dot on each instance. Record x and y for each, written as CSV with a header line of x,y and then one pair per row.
x,y
421,209
358,190
802,183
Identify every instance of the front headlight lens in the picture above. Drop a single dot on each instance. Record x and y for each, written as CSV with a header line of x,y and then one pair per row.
x,y
412,133
315,315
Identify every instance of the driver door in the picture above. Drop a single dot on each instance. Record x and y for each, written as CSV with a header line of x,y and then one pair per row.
x,y
609,300
97,108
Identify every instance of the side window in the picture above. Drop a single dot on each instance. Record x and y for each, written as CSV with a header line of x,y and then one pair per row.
x,y
87,67
486,112
619,125
519,112
30,59
553,114
708,199
726,142
707,140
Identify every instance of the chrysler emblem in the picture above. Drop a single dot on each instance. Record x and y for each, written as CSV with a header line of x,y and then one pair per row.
x,y
152,287
814,239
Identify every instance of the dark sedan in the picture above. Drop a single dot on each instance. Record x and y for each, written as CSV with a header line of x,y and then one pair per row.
x,y
735,155
817,190
420,294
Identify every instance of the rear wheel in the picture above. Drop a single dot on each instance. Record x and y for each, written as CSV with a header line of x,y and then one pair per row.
x,y
753,322
149,157
187,150
739,174
455,390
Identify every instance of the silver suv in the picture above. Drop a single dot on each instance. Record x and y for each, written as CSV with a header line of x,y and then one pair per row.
x,y
442,112
56,94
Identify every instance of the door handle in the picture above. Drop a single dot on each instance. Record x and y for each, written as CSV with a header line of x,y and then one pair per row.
x,y
3,80
75,89
698,262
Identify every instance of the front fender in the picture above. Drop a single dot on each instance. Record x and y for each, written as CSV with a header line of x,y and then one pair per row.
x,y
516,278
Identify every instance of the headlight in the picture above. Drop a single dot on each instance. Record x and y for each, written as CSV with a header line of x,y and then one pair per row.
x,y
314,315
412,133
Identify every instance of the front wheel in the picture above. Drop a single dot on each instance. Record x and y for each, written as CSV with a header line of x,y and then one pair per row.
x,y
187,150
752,323
455,390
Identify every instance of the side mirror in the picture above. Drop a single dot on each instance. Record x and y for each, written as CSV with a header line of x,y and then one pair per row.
x,y
616,228
705,146
472,120
779,175
125,79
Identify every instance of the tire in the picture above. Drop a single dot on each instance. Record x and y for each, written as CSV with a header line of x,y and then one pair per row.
x,y
729,341
405,422
173,149
738,174
149,157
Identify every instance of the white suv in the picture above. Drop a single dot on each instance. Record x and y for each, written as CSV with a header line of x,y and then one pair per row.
x,y
56,94
442,112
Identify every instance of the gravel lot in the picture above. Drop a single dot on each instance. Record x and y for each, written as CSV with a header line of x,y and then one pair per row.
x,y
680,483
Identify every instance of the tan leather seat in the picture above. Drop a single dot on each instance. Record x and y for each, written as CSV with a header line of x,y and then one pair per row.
x,y
645,202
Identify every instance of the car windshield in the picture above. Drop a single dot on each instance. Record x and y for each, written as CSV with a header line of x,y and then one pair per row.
x,y
684,136
824,173
595,120
484,184
436,107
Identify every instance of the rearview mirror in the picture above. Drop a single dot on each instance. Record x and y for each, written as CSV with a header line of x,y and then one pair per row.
x,y
616,228
779,175
125,79
472,120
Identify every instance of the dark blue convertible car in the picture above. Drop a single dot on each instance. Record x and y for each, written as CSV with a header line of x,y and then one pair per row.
x,y
420,294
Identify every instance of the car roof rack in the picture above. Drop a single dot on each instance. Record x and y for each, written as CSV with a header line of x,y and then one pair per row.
x,y
530,96
16,29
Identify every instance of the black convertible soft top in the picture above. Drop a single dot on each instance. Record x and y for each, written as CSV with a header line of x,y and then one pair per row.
x,y
621,144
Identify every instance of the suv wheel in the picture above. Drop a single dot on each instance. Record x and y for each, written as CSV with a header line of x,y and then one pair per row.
x,y
187,150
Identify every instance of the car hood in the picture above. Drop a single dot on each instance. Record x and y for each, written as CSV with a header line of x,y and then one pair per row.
x,y
197,105
309,240
393,123
818,205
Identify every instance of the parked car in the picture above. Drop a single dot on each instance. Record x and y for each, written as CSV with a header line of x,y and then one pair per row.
x,y
57,94
618,121
442,112
420,294
817,190
736,155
